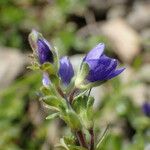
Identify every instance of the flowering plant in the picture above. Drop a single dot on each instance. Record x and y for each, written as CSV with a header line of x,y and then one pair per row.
x,y
64,91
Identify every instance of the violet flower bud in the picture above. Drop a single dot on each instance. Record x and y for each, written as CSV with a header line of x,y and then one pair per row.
x,y
66,71
41,47
101,67
46,81
146,108
44,51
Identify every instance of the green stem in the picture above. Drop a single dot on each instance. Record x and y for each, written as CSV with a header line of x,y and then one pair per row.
x,y
79,134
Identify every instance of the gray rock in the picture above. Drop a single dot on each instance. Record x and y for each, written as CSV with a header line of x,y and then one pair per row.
x,y
139,17
101,5
137,93
144,73
116,11
145,35
125,40
11,64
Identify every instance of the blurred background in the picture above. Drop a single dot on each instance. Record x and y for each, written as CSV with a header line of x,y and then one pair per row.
x,y
74,27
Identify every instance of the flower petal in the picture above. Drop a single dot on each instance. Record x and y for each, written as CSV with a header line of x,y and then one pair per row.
x,y
102,70
44,51
115,73
66,71
46,81
95,53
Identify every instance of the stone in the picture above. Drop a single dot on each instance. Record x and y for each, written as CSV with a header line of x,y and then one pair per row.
x,y
124,40
144,73
137,93
116,11
145,35
12,63
139,17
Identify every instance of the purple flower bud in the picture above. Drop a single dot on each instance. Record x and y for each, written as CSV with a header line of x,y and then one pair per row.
x,y
41,47
46,81
146,108
44,51
66,71
101,67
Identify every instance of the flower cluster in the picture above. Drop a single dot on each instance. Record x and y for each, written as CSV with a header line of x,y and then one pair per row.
x,y
100,67
63,89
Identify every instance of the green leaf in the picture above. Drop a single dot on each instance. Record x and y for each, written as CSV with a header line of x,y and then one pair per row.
x,y
98,146
72,119
54,102
83,105
72,147
64,145
51,69
52,116
90,102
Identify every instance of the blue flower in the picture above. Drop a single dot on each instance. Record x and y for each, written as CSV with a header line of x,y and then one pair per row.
x,y
146,109
101,67
66,71
41,47
44,51
46,81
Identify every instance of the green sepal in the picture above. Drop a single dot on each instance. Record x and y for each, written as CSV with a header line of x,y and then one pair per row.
x,y
81,81
52,116
83,105
48,90
54,102
49,68
52,71
33,38
72,119
81,75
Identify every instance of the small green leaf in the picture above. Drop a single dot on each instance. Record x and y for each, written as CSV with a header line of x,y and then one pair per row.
x,y
52,116
53,101
83,105
72,119
90,102
98,146
72,147
64,145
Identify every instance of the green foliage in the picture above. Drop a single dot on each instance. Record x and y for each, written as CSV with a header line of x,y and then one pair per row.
x,y
83,106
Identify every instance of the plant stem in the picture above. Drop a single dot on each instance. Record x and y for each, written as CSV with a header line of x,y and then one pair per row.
x,y
81,139
72,95
92,139
60,92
